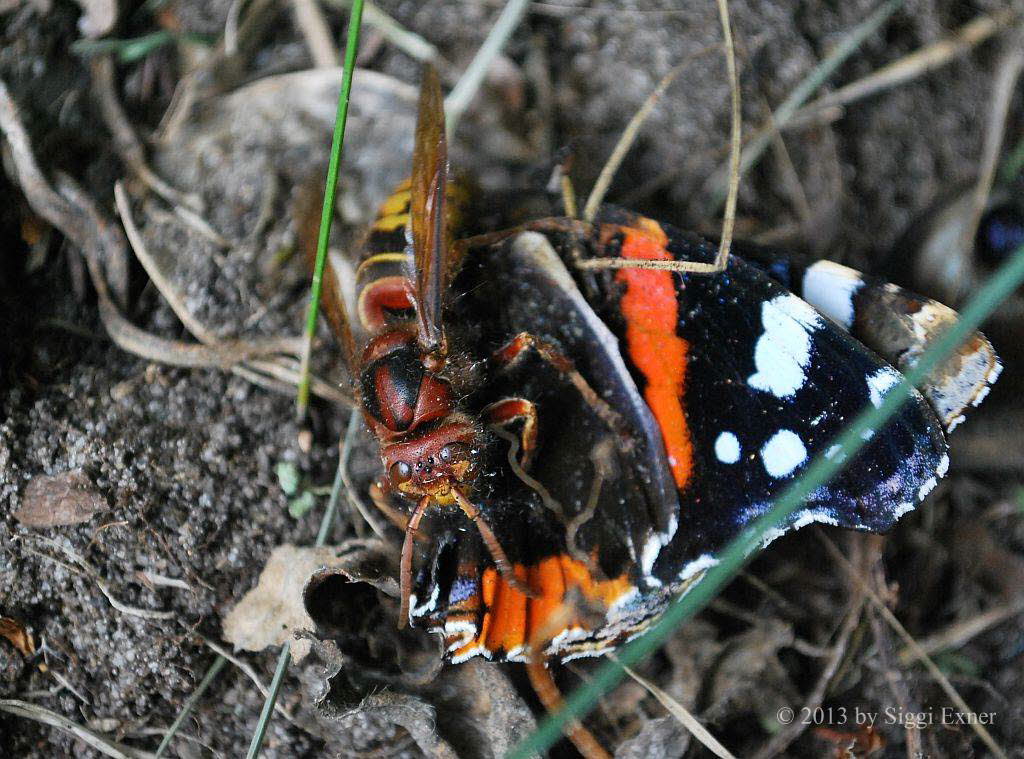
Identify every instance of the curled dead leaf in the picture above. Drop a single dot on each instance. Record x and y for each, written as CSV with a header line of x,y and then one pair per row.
x,y
60,499
18,635
276,608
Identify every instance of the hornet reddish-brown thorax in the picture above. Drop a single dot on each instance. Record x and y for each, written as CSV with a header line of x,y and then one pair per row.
x,y
426,447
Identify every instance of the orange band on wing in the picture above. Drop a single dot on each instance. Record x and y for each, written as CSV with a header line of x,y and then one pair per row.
x,y
651,311
510,619
508,615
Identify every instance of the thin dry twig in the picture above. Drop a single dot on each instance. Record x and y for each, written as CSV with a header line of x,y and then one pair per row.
x,y
126,142
311,22
628,137
241,357
168,582
918,653
909,67
156,275
356,503
735,153
782,739
790,177
93,574
78,218
1008,72
91,738
66,684
127,336
460,97
408,42
819,75
249,672
202,226
681,713
286,370
262,346
896,680
231,28
41,197
959,633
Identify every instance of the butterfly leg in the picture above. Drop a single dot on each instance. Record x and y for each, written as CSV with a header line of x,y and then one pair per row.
x,y
507,412
521,344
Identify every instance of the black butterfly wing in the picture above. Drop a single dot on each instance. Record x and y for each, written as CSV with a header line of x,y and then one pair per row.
x,y
895,323
769,384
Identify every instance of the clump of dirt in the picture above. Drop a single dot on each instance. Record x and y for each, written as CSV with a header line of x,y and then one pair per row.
x,y
185,506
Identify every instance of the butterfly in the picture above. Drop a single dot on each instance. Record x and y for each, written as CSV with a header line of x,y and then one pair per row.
x,y
554,436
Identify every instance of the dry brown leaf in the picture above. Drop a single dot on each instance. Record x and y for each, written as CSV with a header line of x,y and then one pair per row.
x,y
273,611
62,499
18,635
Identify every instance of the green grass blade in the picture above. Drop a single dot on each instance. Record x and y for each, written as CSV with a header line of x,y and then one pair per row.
x,y
339,478
330,193
409,43
268,705
821,470
186,709
127,50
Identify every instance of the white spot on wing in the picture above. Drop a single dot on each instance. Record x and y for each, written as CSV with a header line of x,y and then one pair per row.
x,y
429,606
880,382
931,482
783,351
783,453
587,653
812,517
519,653
469,654
830,288
697,565
903,508
982,395
454,626
993,375
727,448
818,516
652,548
